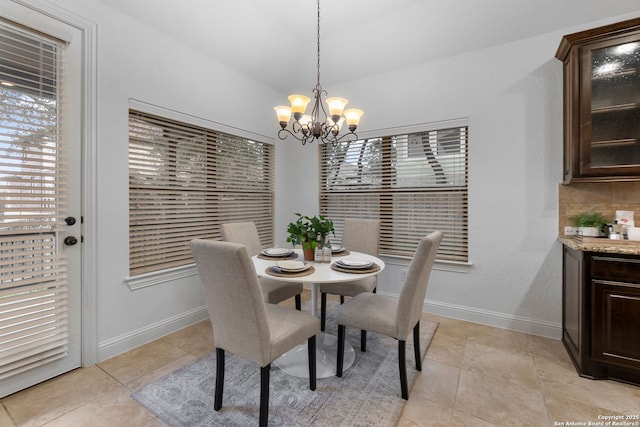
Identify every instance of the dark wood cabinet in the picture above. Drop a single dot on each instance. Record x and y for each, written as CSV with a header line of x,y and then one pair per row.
x,y
602,103
573,333
601,314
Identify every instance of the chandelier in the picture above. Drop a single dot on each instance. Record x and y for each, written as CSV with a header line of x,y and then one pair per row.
x,y
318,125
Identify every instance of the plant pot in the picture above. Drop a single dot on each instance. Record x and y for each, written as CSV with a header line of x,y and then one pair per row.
x,y
308,254
588,231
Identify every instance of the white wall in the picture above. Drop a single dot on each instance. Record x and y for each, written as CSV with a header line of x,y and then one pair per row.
x,y
511,95
135,62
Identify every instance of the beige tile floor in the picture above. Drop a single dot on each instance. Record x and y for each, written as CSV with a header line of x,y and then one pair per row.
x,y
473,375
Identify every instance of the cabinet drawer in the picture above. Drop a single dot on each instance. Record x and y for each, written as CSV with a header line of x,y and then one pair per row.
x,y
616,269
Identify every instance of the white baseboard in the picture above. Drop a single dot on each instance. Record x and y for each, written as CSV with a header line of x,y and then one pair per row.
x,y
133,339
493,318
499,320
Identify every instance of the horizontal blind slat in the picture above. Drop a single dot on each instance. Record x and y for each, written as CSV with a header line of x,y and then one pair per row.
x,y
33,181
414,184
184,180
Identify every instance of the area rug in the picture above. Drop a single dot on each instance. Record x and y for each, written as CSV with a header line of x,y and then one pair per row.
x,y
368,394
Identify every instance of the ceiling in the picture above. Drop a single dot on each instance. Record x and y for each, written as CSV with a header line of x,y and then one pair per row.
x,y
274,41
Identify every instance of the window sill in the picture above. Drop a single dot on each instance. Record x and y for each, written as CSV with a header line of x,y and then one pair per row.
x,y
158,277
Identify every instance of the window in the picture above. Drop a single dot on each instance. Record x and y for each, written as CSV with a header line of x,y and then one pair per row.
x,y
414,183
184,181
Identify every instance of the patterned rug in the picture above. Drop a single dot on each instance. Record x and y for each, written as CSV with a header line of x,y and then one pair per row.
x,y
368,394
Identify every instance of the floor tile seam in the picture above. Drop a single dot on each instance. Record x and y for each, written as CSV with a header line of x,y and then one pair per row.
x,y
541,373
545,396
459,408
185,351
459,411
514,348
59,416
522,383
508,379
471,414
133,380
443,406
86,404
603,408
462,410
451,365
114,378
538,387
6,410
460,369
71,408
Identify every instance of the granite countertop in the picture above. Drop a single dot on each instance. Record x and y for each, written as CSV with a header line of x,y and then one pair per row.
x,y
595,244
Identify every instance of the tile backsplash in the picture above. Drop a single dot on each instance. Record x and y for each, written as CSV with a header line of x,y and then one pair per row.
x,y
603,197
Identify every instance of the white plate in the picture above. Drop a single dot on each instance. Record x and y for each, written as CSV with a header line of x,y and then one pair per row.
x,y
277,251
292,266
354,263
335,249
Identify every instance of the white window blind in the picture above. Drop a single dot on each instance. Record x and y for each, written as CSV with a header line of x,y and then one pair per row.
x,y
33,196
184,181
414,183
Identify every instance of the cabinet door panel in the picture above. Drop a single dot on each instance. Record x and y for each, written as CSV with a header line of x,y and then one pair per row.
x,y
572,302
616,322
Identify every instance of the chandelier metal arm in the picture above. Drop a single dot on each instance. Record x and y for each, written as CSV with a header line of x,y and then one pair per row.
x,y
322,126
326,135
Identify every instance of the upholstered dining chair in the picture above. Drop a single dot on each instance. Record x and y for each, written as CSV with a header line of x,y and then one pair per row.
x,y
246,234
394,317
360,235
242,322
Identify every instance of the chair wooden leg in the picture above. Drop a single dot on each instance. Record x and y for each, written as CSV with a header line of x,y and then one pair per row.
x,y
264,395
217,400
323,310
298,302
402,365
416,346
363,340
341,299
340,355
311,348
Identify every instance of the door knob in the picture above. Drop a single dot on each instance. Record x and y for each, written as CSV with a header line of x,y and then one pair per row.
x,y
70,220
70,241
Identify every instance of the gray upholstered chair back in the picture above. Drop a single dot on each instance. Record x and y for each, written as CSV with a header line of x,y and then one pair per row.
x,y
234,299
362,235
244,233
415,286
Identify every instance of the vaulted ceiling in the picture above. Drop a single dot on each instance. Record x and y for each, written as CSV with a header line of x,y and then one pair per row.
x,y
274,41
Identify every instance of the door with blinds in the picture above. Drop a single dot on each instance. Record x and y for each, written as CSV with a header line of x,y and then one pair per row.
x,y
40,218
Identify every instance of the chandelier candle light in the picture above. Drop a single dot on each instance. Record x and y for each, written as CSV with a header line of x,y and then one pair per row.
x,y
306,128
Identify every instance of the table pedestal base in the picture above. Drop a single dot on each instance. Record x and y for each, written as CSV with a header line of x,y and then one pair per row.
x,y
295,361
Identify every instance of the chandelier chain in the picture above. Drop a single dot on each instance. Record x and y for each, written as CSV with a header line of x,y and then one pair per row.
x,y
318,47
318,125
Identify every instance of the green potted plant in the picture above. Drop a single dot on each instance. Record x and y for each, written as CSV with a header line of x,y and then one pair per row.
x,y
589,223
309,233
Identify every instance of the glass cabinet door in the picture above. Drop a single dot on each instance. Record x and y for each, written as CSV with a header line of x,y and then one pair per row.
x,y
610,109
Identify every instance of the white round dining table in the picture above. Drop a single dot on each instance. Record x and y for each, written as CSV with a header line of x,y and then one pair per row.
x,y
294,362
